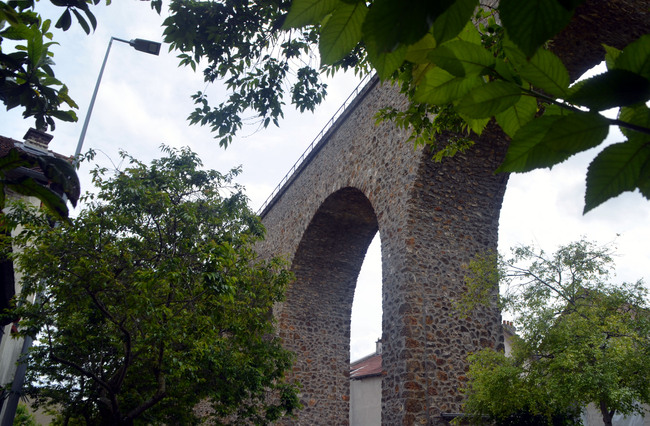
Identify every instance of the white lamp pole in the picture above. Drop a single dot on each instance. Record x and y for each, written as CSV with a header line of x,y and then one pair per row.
x,y
141,45
8,412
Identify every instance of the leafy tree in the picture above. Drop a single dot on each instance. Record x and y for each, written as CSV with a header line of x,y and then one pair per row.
x,y
580,339
23,417
26,75
60,174
27,80
459,65
59,180
153,300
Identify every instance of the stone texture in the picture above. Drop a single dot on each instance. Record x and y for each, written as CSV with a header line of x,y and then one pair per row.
x,y
432,218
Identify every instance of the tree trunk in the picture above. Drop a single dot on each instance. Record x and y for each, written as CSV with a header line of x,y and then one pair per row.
x,y
607,414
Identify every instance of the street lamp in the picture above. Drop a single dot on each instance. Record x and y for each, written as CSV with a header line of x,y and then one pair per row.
x,y
139,44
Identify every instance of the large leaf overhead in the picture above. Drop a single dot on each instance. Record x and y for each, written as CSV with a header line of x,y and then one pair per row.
x,y
393,22
618,168
453,20
549,140
636,57
615,88
531,23
306,12
512,119
462,58
342,31
544,70
489,99
440,87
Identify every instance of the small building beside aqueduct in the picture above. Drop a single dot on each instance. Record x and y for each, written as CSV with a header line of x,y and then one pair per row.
x,y
363,178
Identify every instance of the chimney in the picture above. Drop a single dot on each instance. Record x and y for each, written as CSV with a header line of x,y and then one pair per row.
x,y
378,347
37,139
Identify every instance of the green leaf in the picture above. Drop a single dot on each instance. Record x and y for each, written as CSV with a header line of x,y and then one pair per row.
x,y
489,99
461,58
515,117
547,72
51,200
549,140
92,19
506,72
635,57
531,23
342,32
617,168
470,33
611,54
617,87
36,50
644,181
63,174
476,125
391,23
453,20
64,21
638,115
82,21
68,116
440,88
553,109
386,63
417,53
18,32
13,159
308,12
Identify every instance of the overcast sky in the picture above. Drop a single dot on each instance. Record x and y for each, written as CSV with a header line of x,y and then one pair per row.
x,y
144,100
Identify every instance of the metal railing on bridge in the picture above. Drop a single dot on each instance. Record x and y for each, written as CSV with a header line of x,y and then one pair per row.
x,y
365,80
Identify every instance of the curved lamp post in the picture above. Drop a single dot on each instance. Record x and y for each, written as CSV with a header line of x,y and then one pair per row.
x,y
11,403
139,44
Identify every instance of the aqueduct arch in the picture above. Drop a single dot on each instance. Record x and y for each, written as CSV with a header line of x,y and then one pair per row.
x,y
432,218
364,178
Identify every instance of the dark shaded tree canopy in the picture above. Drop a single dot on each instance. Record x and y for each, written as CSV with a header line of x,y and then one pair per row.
x,y
580,338
152,300
459,66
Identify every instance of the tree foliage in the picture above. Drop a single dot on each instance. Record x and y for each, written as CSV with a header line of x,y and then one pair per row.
x,y
27,80
459,66
23,417
27,77
153,300
245,46
580,338
60,175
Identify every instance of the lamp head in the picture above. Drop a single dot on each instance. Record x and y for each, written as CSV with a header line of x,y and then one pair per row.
x,y
146,46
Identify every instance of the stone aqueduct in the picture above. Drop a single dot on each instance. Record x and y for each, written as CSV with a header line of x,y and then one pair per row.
x,y
432,218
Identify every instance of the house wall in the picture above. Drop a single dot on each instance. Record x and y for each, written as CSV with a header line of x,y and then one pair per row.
x,y
10,347
9,350
593,417
365,401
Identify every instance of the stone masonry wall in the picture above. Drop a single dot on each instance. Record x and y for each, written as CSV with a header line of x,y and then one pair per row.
x,y
367,178
432,218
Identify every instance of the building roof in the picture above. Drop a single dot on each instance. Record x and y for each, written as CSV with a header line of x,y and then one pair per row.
x,y
371,365
366,367
36,144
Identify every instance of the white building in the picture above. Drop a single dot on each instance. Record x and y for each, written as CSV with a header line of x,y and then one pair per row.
x,y
36,142
365,392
